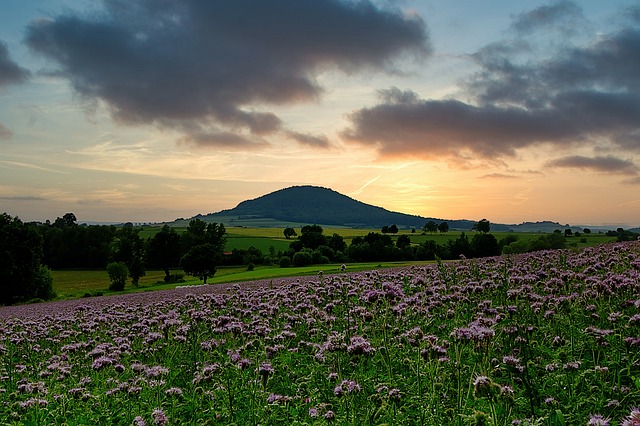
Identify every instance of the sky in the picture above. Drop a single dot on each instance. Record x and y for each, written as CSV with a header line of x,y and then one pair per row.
x,y
151,110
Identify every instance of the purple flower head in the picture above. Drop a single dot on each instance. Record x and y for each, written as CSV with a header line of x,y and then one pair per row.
x,y
597,420
159,417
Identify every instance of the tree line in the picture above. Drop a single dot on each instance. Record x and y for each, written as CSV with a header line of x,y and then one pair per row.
x,y
29,250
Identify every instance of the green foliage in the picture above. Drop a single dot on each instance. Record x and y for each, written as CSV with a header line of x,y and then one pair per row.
x,y
483,226
285,262
118,273
303,258
164,249
22,275
289,232
201,261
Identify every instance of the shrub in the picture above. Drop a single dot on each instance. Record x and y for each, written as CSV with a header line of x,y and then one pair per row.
x,y
302,258
118,273
285,262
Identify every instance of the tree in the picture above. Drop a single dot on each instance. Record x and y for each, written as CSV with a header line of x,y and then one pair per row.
x,y
483,245
310,237
586,231
403,241
568,232
483,226
430,227
164,250
128,248
443,227
393,229
118,273
22,275
289,232
200,261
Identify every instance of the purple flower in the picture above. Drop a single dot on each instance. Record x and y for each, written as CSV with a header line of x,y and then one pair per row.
x,y
597,420
159,417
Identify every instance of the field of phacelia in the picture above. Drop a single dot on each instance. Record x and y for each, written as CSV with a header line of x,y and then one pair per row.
x,y
544,338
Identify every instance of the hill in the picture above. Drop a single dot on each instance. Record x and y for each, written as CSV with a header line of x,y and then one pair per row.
x,y
299,205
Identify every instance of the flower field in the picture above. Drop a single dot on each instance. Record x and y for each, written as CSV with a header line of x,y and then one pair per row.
x,y
544,338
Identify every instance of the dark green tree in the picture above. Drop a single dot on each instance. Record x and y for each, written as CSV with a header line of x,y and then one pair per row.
x,y
289,232
483,226
393,229
484,245
443,227
118,272
430,227
201,261
128,247
164,250
403,241
22,275
310,237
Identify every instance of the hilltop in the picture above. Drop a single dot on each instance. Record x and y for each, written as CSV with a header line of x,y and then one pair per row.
x,y
300,205
297,206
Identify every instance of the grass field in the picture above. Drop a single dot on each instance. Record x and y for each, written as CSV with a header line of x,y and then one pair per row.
x,y
263,238
73,284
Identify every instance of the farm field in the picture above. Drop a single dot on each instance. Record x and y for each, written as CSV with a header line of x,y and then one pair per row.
x,y
545,338
263,238
73,284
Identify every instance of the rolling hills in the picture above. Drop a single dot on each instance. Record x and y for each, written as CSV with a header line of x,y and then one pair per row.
x,y
300,205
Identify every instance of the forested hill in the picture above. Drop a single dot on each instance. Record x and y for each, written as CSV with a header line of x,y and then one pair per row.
x,y
317,205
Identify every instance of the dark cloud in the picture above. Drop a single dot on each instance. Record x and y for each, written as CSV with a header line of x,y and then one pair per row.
x,y
562,15
229,140
577,95
608,164
315,141
10,72
208,62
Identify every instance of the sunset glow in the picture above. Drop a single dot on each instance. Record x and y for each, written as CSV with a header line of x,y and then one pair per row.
x,y
511,111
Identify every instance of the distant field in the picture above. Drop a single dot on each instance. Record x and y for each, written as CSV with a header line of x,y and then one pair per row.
x,y
73,284
263,238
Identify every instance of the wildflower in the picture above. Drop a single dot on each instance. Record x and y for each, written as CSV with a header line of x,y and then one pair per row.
x,y
173,391
597,420
159,417
633,419
139,421
360,346
313,412
484,387
329,415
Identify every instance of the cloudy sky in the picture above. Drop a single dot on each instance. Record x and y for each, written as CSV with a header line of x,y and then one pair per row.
x,y
149,110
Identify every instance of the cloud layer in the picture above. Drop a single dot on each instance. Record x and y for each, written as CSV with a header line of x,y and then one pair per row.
x,y
564,94
202,67
10,73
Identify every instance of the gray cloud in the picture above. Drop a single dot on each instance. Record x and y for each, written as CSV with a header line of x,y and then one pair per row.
x,y
315,141
10,72
562,15
575,96
179,63
229,140
608,164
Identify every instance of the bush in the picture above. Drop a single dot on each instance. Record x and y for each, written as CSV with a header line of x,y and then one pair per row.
x,y
285,262
302,258
118,273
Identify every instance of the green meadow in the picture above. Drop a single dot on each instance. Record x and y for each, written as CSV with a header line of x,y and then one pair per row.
x,y
73,284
